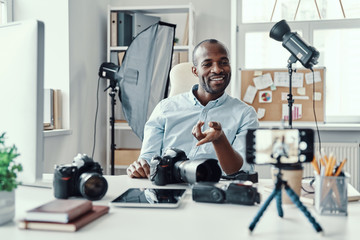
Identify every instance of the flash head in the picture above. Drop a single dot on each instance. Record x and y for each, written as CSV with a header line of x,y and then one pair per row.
x,y
109,70
279,30
302,51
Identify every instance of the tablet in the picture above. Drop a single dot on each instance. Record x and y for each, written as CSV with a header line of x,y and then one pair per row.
x,y
149,198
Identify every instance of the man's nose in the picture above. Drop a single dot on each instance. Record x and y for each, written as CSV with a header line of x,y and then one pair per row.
x,y
216,68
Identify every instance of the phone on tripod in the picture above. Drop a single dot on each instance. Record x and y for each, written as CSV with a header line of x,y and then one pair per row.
x,y
279,146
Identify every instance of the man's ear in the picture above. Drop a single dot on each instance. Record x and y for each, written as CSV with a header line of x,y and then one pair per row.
x,y
194,71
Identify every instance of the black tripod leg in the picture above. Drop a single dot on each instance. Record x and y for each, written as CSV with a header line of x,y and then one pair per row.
x,y
295,198
262,209
278,204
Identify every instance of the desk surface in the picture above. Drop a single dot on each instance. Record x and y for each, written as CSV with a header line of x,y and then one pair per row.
x,y
192,220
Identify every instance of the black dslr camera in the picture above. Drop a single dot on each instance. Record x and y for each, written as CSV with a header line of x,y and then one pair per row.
x,y
175,167
235,192
81,178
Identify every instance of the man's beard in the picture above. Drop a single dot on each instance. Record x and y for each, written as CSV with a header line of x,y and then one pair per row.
x,y
207,87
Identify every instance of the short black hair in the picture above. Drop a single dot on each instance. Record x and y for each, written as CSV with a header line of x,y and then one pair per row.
x,y
212,41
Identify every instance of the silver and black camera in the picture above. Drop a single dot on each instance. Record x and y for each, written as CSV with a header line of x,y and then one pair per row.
x,y
81,178
175,167
238,192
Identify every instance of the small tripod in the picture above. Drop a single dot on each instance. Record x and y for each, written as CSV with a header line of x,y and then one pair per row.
x,y
277,194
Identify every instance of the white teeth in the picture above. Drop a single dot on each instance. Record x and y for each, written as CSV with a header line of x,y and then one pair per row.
x,y
217,79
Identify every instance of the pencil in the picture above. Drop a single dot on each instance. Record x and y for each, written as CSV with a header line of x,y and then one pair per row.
x,y
326,159
315,165
338,171
332,165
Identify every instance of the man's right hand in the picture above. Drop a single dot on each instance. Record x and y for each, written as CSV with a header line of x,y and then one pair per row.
x,y
138,169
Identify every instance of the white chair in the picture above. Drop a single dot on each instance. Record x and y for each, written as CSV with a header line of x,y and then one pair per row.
x,y
181,78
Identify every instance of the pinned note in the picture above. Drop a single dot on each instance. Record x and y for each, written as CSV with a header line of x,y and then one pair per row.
x,y
250,94
257,73
263,81
260,113
317,96
281,79
296,112
301,91
265,96
309,77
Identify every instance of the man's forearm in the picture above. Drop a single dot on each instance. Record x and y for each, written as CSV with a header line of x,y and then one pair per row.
x,y
230,160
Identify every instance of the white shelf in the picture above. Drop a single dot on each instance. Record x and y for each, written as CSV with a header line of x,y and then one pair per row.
x,y
122,126
124,48
163,12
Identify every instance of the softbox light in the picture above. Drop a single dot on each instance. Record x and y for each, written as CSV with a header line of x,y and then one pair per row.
x,y
144,74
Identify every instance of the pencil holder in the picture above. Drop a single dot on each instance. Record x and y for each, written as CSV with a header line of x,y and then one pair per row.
x,y
331,195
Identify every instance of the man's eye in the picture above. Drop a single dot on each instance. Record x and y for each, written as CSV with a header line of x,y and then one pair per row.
x,y
206,64
225,63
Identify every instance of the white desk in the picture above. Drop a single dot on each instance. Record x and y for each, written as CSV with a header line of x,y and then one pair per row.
x,y
192,220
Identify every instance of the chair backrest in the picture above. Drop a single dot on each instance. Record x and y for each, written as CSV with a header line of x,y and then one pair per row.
x,y
181,78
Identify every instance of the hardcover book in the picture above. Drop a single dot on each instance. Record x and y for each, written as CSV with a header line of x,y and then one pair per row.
x,y
76,224
59,210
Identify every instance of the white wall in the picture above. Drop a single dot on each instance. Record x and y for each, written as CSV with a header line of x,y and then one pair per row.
x,y
87,38
79,41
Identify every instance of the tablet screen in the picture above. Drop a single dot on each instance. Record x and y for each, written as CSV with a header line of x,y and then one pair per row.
x,y
149,197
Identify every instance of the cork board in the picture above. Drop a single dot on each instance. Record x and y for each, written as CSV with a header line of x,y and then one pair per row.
x,y
271,99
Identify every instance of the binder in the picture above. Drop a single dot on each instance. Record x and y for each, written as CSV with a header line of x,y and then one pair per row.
x,y
113,29
125,27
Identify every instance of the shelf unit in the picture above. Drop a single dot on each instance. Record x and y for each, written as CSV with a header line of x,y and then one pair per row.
x,y
183,17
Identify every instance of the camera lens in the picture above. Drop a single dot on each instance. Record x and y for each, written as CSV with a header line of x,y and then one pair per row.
x,y
198,170
92,186
202,173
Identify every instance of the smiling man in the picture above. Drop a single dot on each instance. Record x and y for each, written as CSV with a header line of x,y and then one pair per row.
x,y
204,122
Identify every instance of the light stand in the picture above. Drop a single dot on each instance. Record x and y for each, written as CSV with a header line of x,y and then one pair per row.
x,y
276,193
112,122
291,60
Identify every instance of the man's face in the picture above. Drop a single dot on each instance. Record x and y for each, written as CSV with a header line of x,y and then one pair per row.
x,y
213,68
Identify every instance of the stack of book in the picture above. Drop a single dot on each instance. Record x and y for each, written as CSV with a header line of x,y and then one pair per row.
x,y
62,215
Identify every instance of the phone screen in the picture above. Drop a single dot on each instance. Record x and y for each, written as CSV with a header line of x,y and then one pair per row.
x,y
279,146
274,145
149,197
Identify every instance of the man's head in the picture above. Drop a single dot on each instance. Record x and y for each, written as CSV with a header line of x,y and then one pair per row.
x,y
212,66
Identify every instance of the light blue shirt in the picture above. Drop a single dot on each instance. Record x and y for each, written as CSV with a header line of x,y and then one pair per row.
x,y
172,121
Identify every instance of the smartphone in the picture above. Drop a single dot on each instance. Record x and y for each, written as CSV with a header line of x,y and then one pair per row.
x,y
150,198
279,146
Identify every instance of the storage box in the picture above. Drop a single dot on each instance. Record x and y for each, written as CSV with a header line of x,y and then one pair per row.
x,y
126,156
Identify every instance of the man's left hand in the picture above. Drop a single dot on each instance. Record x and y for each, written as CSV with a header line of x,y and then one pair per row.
x,y
212,134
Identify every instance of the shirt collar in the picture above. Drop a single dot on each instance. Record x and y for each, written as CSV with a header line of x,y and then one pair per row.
x,y
217,101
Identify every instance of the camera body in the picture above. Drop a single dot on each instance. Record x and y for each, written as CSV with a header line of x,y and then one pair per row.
x,y
175,167
162,169
237,192
81,178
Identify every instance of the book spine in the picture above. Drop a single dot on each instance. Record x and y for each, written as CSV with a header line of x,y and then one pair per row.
x,y
57,109
82,209
97,212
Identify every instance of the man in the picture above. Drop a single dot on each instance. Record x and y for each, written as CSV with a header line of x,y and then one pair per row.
x,y
205,122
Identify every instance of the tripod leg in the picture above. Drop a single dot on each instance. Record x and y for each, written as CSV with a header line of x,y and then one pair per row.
x,y
295,198
262,209
278,204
